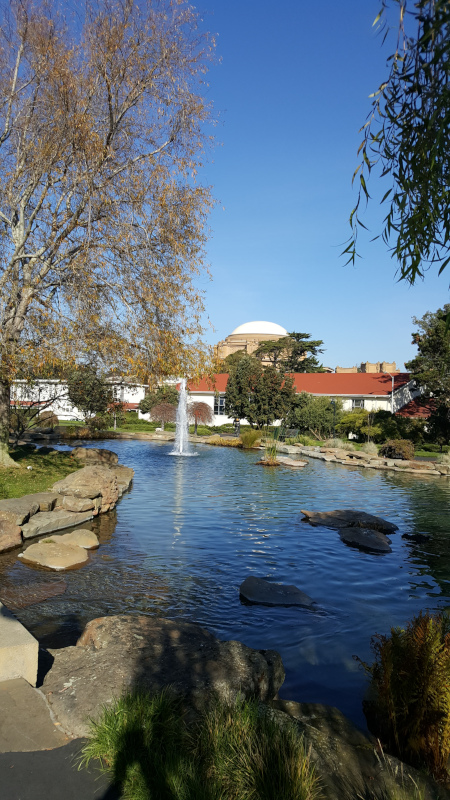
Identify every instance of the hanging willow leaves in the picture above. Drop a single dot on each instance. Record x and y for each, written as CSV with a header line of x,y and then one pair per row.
x,y
407,134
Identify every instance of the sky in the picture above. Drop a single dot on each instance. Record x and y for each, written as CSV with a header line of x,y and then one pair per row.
x,y
291,91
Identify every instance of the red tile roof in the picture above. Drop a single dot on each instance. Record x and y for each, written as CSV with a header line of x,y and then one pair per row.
x,y
331,384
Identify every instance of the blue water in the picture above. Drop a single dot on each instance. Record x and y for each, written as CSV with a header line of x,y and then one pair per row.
x,y
190,530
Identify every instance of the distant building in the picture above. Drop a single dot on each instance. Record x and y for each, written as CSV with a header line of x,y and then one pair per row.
x,y
372,391
248,337
368,366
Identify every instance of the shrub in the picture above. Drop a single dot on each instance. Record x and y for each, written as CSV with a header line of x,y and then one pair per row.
x,y
370,448
443,458
232,752
301,438
409,709
397,448
47,419
249,438
341,444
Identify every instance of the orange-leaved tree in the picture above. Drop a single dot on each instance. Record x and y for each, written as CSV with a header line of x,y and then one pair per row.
x,y
200,412
102,223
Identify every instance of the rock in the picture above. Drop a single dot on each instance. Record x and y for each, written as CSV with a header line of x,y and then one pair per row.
x,y
54,555
29,594
122,652
46,500
417,537
77,504
10,536
82,538
46,450
258,590
348,762
346,518
291,462
49,521
18,509
366,539
91,482
124,477
94,455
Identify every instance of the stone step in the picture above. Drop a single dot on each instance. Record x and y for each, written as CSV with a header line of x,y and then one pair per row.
x,y
49,521
18,649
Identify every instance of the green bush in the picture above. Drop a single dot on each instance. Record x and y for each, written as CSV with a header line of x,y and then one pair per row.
x,y
249,438
301,438
232,752
397,448
409,705
342,444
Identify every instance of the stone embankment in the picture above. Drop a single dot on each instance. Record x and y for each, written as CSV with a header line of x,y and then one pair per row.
x,y
356,458
78,498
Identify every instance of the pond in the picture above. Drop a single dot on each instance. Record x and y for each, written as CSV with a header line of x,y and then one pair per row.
x,y
192,529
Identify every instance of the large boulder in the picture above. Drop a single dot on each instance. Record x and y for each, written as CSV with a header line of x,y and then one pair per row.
x,y
348,518
124,477
91,482
258,590
10,536
48,521
54,555
123,652
19,509
349,763
366,539
94,455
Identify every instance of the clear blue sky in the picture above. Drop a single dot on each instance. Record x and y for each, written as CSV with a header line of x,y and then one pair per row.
x,y
292,92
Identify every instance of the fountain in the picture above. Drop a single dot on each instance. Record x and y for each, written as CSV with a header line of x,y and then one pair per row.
x,y
182,429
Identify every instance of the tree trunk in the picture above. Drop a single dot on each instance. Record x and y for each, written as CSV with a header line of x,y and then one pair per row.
x,y
5,395
195,428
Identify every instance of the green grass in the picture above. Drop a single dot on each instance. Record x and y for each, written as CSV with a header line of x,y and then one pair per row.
x,y
45,471
231,753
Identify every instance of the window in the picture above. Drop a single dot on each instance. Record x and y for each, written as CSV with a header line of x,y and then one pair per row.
x,y
219,405
357,403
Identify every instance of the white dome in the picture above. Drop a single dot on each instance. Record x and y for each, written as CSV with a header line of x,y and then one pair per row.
x,y
260,327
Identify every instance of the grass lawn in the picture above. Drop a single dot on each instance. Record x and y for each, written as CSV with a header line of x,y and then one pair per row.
x,y
45,471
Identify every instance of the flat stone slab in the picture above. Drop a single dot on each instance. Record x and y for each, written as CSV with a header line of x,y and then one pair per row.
x,y
77,504
18,509
366,539
46,500
49,521
18,649
29,594
10,536
348,518
294,463
258,590
120,652
25,722
54,555
81,538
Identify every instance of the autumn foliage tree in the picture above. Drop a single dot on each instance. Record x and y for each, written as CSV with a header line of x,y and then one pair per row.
x,y
200,413
164,412
102,223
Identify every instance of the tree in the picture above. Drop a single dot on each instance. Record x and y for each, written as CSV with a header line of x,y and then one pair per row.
x,y
408,134
296,352
164,412
230,361
360,422
200,412
316,415
163,394
102,222
256,394
88,391
431,368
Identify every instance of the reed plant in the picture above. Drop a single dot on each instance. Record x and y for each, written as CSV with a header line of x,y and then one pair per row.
x,y
250,438
232,752
409,704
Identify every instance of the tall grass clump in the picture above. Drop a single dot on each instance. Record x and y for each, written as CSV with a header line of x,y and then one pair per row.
x,y
341,444
232,752
221,441
370,448
249,438
443,458
409,706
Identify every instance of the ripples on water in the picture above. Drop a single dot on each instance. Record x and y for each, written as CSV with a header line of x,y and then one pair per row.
x,y
190,531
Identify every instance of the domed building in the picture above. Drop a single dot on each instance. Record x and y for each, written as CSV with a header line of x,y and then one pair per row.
x,y
248,337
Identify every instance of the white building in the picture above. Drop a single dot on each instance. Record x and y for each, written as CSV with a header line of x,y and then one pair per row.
x,y
51,395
